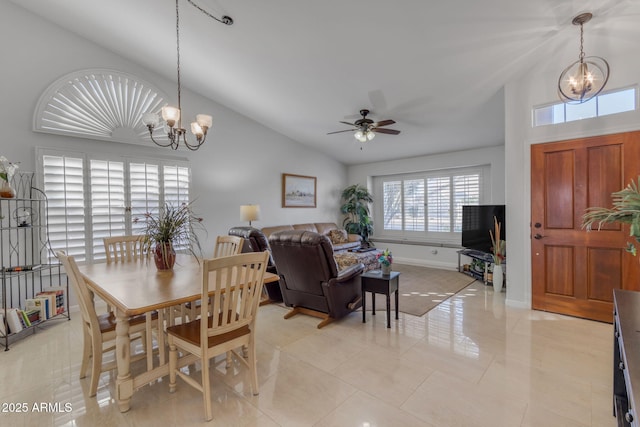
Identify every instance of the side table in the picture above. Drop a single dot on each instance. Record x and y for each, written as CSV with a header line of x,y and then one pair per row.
x,y
377,283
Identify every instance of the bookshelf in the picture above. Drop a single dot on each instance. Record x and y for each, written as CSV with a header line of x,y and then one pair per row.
x,y
28,270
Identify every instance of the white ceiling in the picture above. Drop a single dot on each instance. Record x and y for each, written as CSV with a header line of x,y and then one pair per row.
x,y
436,68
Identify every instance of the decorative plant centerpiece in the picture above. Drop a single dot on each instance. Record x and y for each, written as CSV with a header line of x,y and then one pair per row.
x,y
173,227
385,259
7,169
498,247
356,206
625,210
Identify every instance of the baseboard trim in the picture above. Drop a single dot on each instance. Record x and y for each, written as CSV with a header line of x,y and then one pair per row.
x,y
426,263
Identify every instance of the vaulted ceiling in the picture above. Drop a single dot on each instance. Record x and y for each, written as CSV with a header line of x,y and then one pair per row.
x,y
436,68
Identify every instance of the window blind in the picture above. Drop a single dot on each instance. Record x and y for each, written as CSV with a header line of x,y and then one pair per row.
x,y
64,187
118,192
427,205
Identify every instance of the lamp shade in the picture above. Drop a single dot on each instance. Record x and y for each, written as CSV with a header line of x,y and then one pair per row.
x,y
249,213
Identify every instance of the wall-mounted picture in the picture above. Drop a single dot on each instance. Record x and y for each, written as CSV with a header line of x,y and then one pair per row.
x,y
298,191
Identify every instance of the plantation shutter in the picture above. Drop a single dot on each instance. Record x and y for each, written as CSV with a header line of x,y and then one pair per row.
x,y
107,191
64,186
427,206
466,191
92,198
176,188
144,187
439,204
392,195
414,204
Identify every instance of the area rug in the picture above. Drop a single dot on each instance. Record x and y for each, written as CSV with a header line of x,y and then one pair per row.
x,y
422,288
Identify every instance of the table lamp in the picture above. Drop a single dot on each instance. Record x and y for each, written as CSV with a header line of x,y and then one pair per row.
x,y
249,213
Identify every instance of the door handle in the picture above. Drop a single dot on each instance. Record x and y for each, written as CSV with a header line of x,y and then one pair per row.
x,y
538,236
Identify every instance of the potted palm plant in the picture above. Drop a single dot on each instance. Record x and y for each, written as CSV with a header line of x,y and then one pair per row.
x,y
626,210
173,227
356,206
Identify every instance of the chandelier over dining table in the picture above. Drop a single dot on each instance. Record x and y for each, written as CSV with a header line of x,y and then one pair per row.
x,y
172,116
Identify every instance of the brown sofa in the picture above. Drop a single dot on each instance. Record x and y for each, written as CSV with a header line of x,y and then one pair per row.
x,y
340,240
309,278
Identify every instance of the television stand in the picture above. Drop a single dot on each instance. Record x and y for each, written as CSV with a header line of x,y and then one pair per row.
x,y
479,268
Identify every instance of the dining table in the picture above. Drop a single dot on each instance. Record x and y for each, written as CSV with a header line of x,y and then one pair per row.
x,y
139,288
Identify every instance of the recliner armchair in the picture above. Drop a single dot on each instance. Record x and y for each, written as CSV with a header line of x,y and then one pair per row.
x,y
256,241
309,278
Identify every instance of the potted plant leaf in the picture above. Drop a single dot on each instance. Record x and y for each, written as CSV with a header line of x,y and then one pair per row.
x,y
626,210
173,227
356,200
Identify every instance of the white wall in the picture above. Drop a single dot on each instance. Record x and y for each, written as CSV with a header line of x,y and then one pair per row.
x,y
424,255
535,88
241,162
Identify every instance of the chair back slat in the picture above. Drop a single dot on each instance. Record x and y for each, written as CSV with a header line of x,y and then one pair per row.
x,y
84,294
125,248
233,284
227,246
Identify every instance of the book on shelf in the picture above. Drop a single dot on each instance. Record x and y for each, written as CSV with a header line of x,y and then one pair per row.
x,y
33,315
13,321
39,304
23,318
57,299
18,268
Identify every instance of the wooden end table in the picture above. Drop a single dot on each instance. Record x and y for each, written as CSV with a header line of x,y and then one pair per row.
x,y
377,283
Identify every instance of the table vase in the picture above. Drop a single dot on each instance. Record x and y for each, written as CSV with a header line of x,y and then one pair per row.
x,y
6,190
498,278
386,269
164,256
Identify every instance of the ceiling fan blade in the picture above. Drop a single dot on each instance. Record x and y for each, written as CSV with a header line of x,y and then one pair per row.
x,y
350,124
384,123
387,131
340,131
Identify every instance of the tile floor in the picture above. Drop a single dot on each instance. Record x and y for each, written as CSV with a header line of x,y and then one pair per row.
x,y
472,361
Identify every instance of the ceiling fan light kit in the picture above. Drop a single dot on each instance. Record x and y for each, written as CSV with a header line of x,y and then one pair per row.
x,y
366,129
586,77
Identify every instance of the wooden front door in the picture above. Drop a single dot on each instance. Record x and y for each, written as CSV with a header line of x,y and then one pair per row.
x,y
574,271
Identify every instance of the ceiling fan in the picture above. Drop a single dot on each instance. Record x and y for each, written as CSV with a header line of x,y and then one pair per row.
x,y
366,129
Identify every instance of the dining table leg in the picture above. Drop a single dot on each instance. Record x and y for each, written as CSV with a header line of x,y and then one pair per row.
x,y
124,382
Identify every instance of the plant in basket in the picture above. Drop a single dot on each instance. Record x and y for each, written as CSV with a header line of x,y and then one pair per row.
x,y
174,227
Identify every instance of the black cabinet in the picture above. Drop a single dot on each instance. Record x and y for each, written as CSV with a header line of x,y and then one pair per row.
x,y
626,357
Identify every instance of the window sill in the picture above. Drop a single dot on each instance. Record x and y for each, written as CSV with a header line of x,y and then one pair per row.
x,y
415,242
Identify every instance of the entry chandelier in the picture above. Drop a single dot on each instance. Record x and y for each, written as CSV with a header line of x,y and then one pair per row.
x,y
172,115
586,77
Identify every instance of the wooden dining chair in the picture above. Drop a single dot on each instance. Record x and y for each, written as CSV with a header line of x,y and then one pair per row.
x,y
233,286
98,331
227,245
133,248
125,248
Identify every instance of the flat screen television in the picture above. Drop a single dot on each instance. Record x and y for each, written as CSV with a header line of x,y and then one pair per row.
x,y
477,220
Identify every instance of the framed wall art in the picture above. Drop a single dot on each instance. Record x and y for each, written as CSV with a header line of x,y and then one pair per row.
x,y
298,191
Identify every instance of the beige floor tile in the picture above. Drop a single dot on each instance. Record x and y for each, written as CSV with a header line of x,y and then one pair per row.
x,y
444,400
471,361
362,409
384,375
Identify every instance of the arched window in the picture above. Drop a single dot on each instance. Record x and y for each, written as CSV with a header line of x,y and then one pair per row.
x,y
98,104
